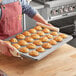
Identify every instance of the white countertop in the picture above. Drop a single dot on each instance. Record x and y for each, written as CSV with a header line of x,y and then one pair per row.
x,y
36,5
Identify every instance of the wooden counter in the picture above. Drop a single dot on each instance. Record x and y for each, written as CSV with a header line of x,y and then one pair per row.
x,y
61,62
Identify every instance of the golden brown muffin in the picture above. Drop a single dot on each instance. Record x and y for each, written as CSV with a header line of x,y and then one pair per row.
x,y
46,30
63,36
41,33
31,46
54,33
52,42
7,42
24,50
44,39
39,28
47,45
32,31
33,53
58,39
29,39
40,49
49,36
38,42
26,33
35,36
22,42
20,36
17,46
13,40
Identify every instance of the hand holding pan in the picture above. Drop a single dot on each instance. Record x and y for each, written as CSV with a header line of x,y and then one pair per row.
x,y
49,27
8,49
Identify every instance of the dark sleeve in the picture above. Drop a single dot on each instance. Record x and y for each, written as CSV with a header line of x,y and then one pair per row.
x,y
27,9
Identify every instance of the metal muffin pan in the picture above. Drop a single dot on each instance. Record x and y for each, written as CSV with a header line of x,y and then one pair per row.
x,y
43,54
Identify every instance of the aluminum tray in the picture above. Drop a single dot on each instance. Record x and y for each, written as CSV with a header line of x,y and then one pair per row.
x,y
48,51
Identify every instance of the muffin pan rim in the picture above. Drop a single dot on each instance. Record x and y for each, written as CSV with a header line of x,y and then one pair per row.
x,y
43,54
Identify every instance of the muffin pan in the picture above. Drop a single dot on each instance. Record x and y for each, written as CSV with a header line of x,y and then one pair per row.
x,y
45,51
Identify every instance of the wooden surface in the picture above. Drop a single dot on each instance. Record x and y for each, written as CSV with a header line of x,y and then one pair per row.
x,y
61,62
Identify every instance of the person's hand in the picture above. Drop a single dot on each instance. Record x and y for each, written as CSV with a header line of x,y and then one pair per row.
x,y
5,47
49,24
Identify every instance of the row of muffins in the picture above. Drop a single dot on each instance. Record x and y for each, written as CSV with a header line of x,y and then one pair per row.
x,y
45,38
39,41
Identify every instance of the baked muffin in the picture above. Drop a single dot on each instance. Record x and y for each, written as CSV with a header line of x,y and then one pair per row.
x,y
46,30
44,39
29,39
22,42
38,42
13,40
58,39
49,36
39,28
26,33
40,49
17,46
7,42
41,33
47,45
35,36
24,50
33,53
54,33
63,36
20,36
32,31
31,46
52,42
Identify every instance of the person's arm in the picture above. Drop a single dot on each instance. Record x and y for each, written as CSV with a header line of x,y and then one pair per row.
x,y
40,19
32,13
27,9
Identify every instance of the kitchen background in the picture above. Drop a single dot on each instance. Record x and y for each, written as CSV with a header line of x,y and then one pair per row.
x,y
61,13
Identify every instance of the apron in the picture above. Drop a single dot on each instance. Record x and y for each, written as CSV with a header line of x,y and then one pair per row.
x,y
10,22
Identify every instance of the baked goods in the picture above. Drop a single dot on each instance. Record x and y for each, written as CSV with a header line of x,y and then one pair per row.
x,y
46,30
7,42
22,42
17,46
41,33
24,50
40,49
26,33
13,40
31,46
47,45
32,31
38,28
20,36
37,42
29,39
52,42
44,39
49,36
58,39
54,33
35,36
63,36
33,53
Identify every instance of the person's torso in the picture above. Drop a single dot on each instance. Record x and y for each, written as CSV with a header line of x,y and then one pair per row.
x,y
7,2
10,22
